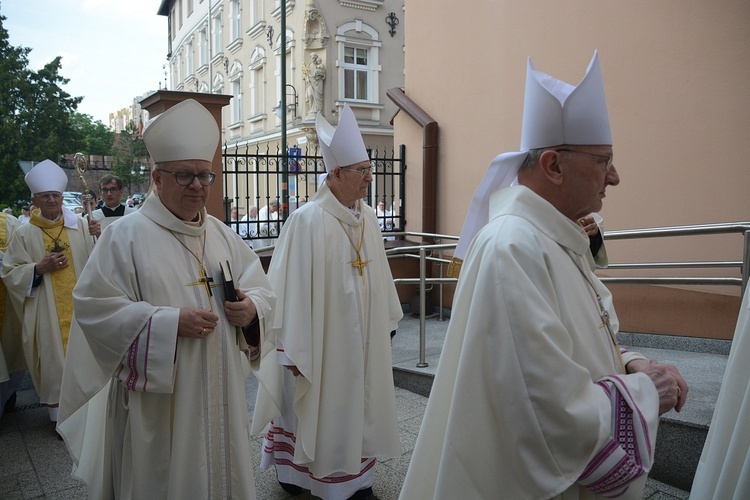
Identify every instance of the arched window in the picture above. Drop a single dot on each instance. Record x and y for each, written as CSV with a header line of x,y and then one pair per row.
x,y
256,79
235,85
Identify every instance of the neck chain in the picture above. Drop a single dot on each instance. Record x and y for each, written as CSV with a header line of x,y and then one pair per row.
x,y
57,246
603,313
359,263
204,280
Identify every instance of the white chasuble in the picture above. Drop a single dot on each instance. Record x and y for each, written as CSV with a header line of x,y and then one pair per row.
x,y
530,399
12,358
145,413
724,468
335,310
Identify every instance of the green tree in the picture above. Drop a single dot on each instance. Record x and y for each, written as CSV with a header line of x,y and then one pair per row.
x,y
98,138
128,154
35,116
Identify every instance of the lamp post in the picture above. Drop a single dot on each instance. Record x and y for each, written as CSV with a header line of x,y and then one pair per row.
x,y
284,159
281,112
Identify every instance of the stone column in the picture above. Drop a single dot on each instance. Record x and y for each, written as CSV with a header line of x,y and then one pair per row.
x,y
162,100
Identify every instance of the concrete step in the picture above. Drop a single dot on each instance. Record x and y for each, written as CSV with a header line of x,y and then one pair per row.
x,y
681,435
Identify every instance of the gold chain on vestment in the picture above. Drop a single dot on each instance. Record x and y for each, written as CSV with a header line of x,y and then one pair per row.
x,y
58,247
204,280
359,263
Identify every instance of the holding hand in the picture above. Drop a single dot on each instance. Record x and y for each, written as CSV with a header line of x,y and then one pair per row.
x,y
95,227
242,312
589,225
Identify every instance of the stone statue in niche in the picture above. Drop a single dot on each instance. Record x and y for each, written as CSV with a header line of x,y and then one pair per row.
x,y
314,75
315,34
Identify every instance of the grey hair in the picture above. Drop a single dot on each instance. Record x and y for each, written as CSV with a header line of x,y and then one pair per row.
x,y
532,159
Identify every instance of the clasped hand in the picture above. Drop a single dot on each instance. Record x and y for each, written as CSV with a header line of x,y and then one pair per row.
x,y
670,385
195,322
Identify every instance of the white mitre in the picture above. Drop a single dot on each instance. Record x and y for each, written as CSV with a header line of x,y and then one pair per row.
x,y
46,176
554,113
186,131
343,145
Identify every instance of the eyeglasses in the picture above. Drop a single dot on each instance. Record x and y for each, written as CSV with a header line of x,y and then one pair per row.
x,y
364,172
49,196
607,159
187,178
113,190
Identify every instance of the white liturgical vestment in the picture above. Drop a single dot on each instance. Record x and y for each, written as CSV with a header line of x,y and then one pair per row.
x,y
334,324
530,399
724,468
44,343
106,220
145,413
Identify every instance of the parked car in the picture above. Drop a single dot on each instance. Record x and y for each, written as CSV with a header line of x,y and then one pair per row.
x,y
72,203
73,194
138,198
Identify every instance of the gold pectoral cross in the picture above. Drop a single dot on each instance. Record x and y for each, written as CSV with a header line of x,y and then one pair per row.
x,y
359,264
206,282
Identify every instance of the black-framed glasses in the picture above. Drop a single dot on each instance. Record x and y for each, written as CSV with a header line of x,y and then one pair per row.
x,y
361,171
187,178
607,159
110,190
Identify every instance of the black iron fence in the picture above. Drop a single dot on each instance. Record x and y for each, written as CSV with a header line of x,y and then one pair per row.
x,y
265,188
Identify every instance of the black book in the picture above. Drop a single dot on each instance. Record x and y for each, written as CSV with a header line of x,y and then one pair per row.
x,y
226,279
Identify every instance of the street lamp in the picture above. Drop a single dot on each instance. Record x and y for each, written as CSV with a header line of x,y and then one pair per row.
x,y
292,106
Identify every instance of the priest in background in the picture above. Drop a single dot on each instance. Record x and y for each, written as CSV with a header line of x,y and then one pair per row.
x,y
326,398
110,187
533,398
153,401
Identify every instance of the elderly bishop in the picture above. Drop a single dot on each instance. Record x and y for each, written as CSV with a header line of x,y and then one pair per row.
x,y
327,391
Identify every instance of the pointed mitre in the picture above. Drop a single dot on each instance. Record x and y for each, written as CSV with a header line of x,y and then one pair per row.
x,y
554,113
46,176
343,145
186,131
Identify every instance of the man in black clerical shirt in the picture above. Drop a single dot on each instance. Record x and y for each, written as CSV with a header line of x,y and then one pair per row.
x,y
110,187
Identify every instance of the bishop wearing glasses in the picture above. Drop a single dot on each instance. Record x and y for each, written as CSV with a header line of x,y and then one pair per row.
x,y
327,400
154,391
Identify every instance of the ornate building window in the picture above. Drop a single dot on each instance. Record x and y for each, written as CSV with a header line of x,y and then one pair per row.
x,y
216,34
202,47
190,58
256,12
218,84
358,62
256,79
356,73
235,88
235,20
290,58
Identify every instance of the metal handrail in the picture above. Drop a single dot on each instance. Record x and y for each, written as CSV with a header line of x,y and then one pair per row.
x,y
690,230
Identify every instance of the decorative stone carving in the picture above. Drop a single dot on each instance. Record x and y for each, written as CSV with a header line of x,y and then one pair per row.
x,y
315,33
314,75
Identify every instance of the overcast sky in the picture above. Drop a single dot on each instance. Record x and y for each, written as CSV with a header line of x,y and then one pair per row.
x,y
112,50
